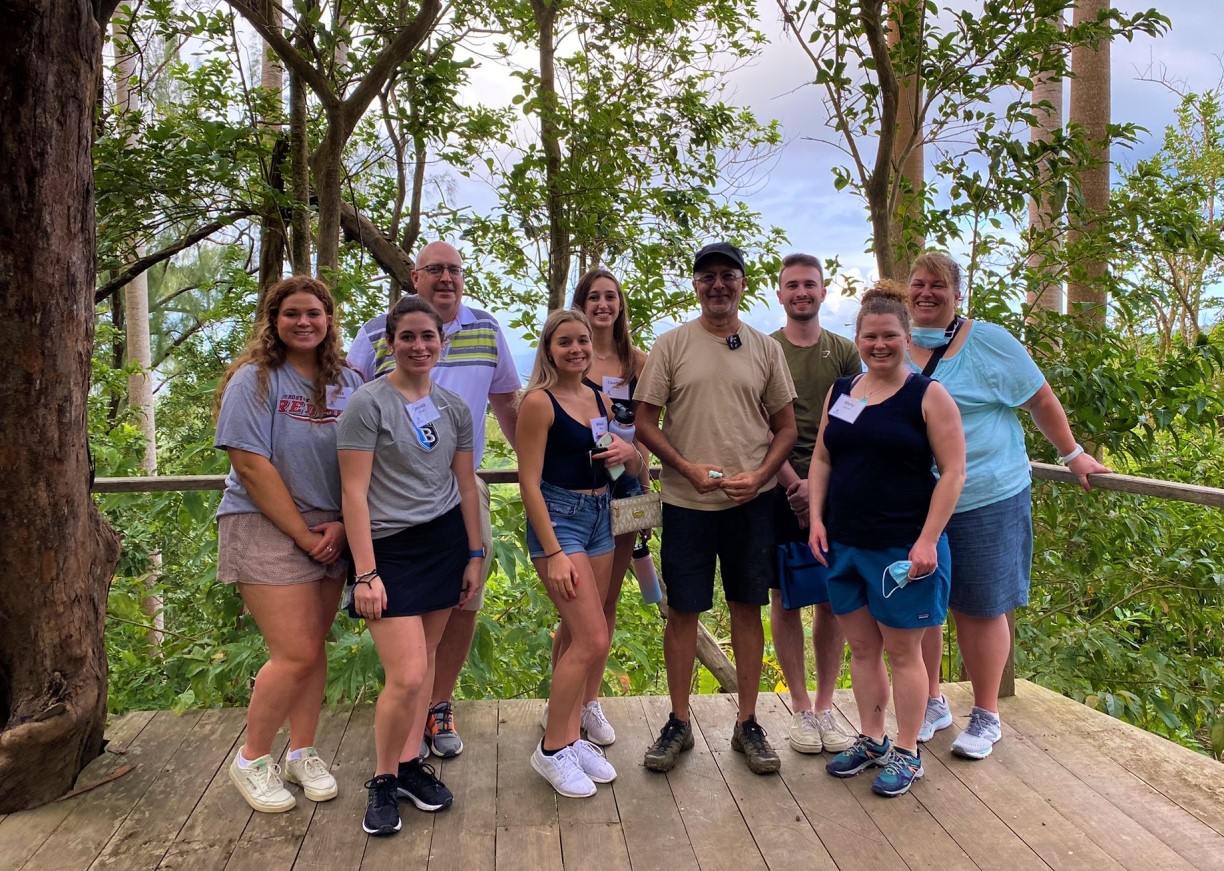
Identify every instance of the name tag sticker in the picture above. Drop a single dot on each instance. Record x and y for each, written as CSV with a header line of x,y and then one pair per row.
x,y
615,388
338,397
599,426
847,409
423,411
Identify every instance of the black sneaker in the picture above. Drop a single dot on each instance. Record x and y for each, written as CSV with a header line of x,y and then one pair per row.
x,y
676,737
382,809
419,784
749,738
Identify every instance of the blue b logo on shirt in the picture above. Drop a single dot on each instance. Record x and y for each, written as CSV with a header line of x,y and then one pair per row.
x,y
427,436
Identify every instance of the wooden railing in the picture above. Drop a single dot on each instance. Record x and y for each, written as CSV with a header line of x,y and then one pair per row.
x,y
709,653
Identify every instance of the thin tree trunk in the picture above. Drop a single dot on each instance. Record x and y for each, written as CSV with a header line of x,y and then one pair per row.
x,y
906,240
58,554
550,141
271,224
299,184
139,346
1044,207
1090,108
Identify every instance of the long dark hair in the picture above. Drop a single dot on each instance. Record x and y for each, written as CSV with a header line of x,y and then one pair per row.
x,y
620,329
266,350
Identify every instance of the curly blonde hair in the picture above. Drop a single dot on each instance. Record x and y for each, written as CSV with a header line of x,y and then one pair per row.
x,y
266,350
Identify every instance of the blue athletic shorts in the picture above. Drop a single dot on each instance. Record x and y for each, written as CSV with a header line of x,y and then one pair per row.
x,y
582,523
993,551
857,577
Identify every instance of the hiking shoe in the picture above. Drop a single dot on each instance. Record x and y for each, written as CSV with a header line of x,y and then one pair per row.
x,y
382,809
440,730
804,734
310,772
674,739
423,753
862,754
593,763
899,773
563,771
596,726
938,716
260,784
418,782
833,734
749,738
980,735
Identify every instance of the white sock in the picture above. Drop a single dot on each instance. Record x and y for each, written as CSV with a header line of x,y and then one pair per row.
x,y
243,762
298,753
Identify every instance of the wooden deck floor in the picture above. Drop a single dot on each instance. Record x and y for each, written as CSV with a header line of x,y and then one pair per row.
x,y
1067,788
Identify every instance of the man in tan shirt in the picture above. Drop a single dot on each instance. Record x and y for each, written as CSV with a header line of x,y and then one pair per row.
x,y
730,424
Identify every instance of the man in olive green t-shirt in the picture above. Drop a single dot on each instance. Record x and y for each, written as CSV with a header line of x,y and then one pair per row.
x,y
729,426
816,358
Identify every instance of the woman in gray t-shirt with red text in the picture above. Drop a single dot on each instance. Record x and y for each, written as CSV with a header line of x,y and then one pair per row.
x,y
279,530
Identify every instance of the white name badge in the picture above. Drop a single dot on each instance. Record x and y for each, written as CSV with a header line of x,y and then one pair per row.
x,y
615,388
599,426
338,397
423,412
847,409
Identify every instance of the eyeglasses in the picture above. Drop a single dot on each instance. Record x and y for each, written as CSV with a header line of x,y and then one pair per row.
x,y
708,278
436,269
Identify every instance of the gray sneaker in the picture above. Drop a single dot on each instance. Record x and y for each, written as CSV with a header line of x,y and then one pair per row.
x,y
440,730
675,738
749,738
938,716
980,735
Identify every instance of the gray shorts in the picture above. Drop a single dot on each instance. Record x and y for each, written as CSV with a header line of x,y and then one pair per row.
x,y
251,549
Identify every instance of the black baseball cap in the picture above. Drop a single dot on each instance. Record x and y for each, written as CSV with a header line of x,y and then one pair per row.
x,y
720,249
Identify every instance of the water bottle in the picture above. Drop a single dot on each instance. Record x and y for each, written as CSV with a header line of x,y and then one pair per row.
x,y
621,425
644,570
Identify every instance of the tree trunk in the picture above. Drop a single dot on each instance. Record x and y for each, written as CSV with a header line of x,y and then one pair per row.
x,y
878,185
550,141
1090,108
905,236
139,345
299,184
271,224
326,165
1045,207
56,563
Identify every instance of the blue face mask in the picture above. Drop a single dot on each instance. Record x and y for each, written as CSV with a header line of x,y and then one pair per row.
x,y
900,571
930,337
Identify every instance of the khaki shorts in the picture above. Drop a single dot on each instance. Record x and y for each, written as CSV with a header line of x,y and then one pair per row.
x,y
251,549
486,541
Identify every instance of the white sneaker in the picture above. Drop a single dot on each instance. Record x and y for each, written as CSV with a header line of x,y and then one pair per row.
x,y
563,772
596,726
938,716
833,735
310,772
261,786
804,734
980,735
593,762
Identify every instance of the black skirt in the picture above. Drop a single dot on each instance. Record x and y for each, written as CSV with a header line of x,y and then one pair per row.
x,y
422,566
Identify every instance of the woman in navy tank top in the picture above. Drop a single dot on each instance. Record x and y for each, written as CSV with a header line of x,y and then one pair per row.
x,y
614,370
566,454
878,512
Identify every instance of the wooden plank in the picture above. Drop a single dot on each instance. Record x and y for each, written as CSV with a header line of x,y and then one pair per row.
x,y
909,825
465,835
767,806
96,815
335,839
594,843
1140,486
719,836
523,797
529,847
21,834
845,829
1191,780
1055,727
154,821
653,829
1101,823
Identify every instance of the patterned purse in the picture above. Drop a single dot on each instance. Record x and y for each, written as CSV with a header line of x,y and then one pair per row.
x,y
634,513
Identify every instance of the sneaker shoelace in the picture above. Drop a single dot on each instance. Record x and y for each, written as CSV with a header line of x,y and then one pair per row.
x,y
899,763
589,747
753,732
383,793
673,731
979,724
809,719
566,761
264,778
443,716
827,723
313,766
595,711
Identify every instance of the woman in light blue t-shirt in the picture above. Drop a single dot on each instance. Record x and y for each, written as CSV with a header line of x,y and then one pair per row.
x,y
989,374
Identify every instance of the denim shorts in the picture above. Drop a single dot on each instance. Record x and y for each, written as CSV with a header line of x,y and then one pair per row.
x,y
740,538
856,578
582,523
992,556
